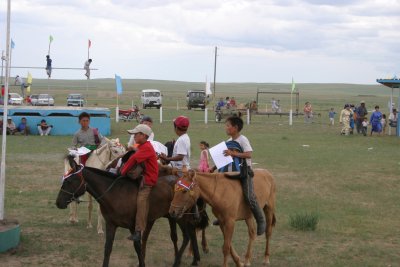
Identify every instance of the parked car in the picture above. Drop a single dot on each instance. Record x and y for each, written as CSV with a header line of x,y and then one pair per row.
x,y
75,100
196,99
33,99
45,100
15,99
151,98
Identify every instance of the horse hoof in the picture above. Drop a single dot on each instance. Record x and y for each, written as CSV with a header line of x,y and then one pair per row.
x,y
73,221
89,226
206,250
100,232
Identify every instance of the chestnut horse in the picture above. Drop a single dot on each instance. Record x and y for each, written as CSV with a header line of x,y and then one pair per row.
x,y
117,199
226,199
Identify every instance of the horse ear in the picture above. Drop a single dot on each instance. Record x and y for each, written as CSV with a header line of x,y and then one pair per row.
x,y
191,174
72,162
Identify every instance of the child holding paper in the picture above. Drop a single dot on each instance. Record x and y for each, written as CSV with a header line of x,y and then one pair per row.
x,y
233,126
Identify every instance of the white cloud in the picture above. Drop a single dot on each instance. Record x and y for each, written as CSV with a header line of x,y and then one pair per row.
x,y
259,40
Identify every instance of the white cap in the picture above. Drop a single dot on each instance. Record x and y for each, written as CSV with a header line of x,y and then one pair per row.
x,y
141,128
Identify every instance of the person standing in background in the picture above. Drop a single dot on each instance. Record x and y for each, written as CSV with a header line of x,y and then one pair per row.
x,y
87,68
361,112
332,114
48,66
375,121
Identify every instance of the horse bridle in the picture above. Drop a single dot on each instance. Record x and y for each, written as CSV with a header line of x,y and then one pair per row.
x,y
110,155
83,183
181,186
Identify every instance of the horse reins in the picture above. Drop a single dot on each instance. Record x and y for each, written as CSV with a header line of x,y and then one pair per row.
x,y
180,186
108,189
83,183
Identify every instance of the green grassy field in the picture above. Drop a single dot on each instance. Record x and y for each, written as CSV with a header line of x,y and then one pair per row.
x,y
351,182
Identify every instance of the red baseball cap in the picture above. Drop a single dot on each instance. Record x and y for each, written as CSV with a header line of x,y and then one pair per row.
x,y
182,122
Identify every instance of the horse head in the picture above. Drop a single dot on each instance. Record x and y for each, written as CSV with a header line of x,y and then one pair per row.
x,y
116,148
73,184
102,156
186,194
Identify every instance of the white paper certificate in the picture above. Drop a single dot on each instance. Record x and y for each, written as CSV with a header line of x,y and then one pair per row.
x,y
80,151
217,154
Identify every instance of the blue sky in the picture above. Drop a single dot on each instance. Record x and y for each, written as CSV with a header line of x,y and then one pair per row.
x,y
316,41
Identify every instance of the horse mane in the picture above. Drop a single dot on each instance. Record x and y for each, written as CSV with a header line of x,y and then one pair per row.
x,y
103,173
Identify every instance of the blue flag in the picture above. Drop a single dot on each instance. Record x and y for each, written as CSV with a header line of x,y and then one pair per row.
x,y
118,84
12,44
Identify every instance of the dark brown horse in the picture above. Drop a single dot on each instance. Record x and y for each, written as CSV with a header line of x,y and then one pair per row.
x,y
117,199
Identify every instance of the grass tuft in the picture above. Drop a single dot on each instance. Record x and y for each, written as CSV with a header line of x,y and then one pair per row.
x,y
304,222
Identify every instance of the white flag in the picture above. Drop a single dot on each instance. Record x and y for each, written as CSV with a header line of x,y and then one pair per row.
x,y
208,88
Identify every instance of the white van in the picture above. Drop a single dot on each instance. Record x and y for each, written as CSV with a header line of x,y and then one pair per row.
x,y
151,98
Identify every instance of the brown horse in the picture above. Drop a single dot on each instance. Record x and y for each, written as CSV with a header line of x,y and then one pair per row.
x,y
225,196
117,199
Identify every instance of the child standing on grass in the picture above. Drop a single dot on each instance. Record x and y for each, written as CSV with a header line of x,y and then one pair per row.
x,y
332,114
203,164
383,123
364,128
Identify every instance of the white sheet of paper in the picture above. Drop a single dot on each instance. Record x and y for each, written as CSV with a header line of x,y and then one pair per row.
x,y
80,151
217,154
159,148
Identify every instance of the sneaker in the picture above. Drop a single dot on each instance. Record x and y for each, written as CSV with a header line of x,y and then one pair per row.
x,y
216,222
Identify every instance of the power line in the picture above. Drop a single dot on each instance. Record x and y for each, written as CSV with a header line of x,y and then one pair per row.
x,y
18,67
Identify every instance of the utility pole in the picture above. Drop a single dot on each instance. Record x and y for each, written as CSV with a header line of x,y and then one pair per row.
x,y
3,57
215,69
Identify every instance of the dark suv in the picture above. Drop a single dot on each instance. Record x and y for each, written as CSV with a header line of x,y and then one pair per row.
x,y
196,99
75,100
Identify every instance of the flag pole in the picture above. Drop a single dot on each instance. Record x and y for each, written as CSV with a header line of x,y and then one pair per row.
x,y
291,104
5,111
48,52
117,109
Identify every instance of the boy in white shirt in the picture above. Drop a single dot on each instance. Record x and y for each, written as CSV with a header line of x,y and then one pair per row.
x,y
180,158
364,129
233,126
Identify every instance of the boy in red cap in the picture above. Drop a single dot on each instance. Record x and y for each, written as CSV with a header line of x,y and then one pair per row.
x,y
147,155
180,158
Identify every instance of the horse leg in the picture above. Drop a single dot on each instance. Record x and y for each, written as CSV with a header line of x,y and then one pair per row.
x,y
228,227
190,250
145,236
185,240
193,241
100,220
73,210
138,249
110,235
204,242
270,216
173,234
252,236
90,209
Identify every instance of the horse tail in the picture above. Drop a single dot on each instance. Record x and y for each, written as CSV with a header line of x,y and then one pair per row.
x,y
273,219
204,220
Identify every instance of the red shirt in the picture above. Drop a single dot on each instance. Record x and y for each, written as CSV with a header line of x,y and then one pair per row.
x,y
146,154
